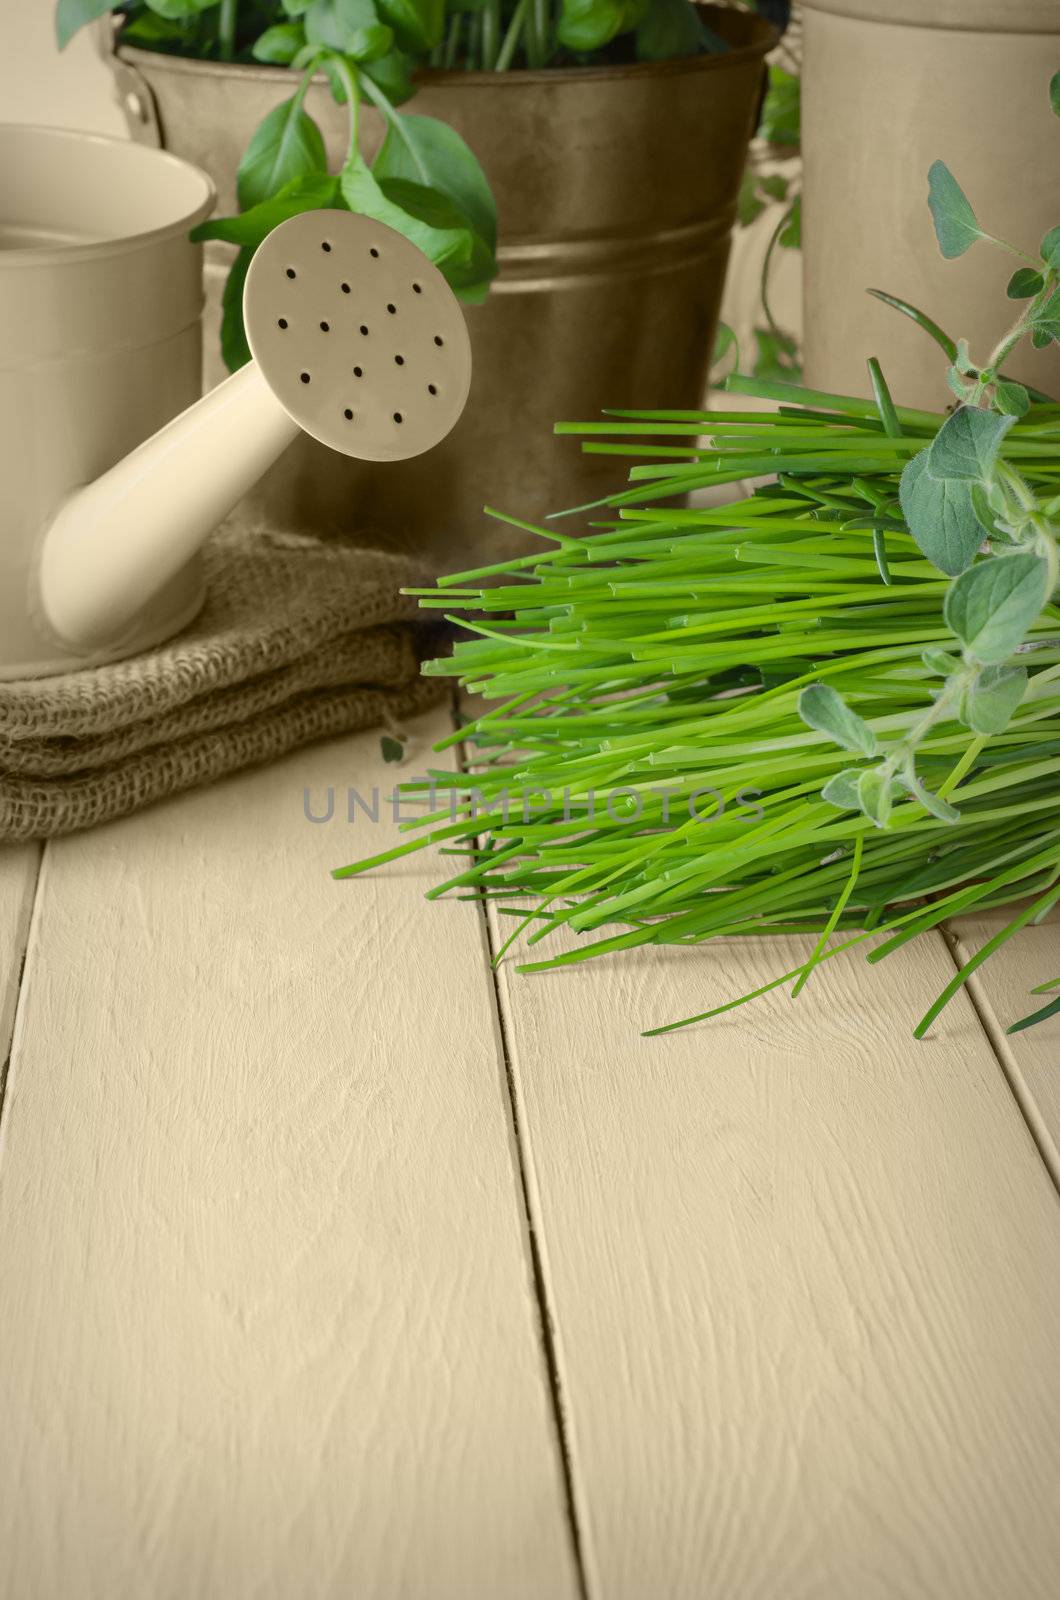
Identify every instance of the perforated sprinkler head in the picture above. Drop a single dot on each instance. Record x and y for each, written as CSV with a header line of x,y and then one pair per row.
x,y
358,335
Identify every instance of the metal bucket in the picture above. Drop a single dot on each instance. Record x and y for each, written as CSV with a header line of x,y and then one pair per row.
x,y
616,189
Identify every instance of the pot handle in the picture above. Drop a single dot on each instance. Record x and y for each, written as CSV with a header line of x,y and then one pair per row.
x,y
132,91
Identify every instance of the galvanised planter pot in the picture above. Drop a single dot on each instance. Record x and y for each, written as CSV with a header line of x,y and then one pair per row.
x,y
616,189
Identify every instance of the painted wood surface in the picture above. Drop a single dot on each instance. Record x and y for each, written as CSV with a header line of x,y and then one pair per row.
x,y
267,1321
804,1276
1002,991
19,867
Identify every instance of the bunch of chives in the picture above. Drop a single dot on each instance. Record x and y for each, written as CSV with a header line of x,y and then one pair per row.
x,y
642,775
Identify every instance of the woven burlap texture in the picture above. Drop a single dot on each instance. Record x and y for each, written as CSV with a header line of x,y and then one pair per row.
x,y
298,640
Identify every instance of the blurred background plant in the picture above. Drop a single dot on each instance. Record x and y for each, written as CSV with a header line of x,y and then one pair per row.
x,y
757,335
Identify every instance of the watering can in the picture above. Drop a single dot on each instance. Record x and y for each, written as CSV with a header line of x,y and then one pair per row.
x,y
112,470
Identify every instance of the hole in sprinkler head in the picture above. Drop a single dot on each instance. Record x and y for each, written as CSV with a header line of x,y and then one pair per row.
x,y
325,327
324,245
282,323
432,388
400,360
291,273
364,330
398,417
345,288
374,252
348,414
305,377
358,372
392,310
438,339
417,288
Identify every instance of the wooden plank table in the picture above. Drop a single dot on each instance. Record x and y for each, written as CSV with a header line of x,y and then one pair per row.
x,y
334,1265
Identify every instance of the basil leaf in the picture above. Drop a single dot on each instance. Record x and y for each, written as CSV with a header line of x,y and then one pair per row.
x,y
955,226
967,444
992,605
822,708
234,347
371,43
673,29
279,45
468,278
990,705
286,145
176,9
251,227
448,247
941,516
425,151
587,25
331,22
418,24
393,74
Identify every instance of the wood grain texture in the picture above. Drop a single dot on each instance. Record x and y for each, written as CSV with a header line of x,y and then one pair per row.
x,y
267,1324
19,867
805,1280
1001,989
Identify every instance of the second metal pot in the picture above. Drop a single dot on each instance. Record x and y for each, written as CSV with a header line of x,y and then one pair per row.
x,y
616,189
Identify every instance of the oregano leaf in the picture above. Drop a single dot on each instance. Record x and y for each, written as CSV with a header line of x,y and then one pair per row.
x,y
1025,282
1051,249
1012,397
967,444
932,803
876,795
941,516
991,703
991,606
822,708
842,790
955,226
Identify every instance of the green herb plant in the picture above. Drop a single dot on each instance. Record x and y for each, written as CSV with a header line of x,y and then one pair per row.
x,y
674,694
425,182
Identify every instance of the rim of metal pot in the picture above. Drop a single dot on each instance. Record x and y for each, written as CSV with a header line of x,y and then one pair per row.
x,y
737,55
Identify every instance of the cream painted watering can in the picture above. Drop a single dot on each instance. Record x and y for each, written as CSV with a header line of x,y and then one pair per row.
x,y
112,470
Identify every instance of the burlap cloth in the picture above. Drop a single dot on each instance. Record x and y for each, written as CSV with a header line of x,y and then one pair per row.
x,y
298,640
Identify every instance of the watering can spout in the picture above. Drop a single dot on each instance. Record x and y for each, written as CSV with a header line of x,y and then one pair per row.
x,y
356,339
118,541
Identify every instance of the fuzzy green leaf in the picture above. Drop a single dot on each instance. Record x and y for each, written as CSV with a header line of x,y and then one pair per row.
x,y
955,226
842,790
1012,398
991,606
822,708
939,661
875,796
941,516
1024,284
932,803
1051,248
990,706
967,444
